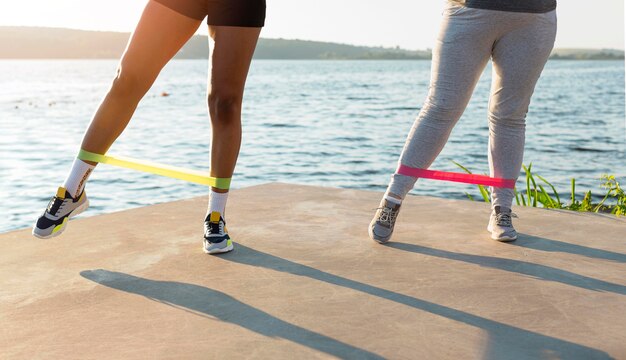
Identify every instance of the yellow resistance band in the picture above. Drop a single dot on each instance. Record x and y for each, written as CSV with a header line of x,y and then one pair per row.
x,y
193,176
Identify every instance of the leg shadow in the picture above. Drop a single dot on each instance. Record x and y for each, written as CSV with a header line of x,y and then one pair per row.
x,y
516,266
505,341
548,245
207,302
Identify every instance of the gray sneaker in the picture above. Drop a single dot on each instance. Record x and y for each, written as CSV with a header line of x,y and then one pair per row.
x,y
501,225
61,208
381,227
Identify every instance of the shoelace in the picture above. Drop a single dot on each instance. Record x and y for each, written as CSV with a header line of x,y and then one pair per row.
x,y
504,219
215,228
387,215
55,205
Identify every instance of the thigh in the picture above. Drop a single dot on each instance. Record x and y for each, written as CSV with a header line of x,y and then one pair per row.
x,y
239,13
231,55
196,9
159,35
518,60
461,52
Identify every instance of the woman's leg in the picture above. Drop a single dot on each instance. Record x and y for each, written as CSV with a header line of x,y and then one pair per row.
x,y
231,56
519,57
460,55
161,32
233,48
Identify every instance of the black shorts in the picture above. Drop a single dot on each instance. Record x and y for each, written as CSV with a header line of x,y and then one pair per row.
x,y
244,13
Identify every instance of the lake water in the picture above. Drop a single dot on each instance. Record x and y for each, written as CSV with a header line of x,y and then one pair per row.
x,y
328,123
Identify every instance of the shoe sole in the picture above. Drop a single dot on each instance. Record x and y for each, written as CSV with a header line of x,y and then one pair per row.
x,y
229,248
501,239
79,210
504,239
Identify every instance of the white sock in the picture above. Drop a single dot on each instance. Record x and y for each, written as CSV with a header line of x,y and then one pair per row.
x,y
76,179
392,199
217,202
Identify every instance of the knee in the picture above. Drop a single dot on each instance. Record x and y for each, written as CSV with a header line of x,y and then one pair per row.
x,y
513,120
129,83
510,114
224,107
441,112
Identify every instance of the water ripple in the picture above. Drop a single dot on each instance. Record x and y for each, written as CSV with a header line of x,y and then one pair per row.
x,y
309,122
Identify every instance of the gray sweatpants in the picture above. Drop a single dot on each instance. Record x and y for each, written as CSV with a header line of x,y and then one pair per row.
x,y
519,45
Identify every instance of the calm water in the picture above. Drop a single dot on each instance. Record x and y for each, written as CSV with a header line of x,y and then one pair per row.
x,y
329,123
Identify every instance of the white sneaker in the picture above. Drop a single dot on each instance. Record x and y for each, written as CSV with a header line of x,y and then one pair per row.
x,y
501,225
381,227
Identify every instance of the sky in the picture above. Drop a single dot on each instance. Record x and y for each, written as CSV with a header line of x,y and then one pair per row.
x,y
410,24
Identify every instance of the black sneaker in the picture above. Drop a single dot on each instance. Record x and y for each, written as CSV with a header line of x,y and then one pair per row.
x,y
61,208
216,239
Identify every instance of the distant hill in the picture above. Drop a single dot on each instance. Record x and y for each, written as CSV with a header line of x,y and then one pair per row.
x,y
301,49
55,43
588,54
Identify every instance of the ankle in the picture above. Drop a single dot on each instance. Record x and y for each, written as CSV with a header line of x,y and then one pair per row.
x,y
77,177
217,202
394,198
498,209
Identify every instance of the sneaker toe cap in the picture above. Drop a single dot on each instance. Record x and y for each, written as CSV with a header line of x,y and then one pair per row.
x,y
43,223
380,233
504,234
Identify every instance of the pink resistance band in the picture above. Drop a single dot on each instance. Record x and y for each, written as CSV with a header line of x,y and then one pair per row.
x,y
456,177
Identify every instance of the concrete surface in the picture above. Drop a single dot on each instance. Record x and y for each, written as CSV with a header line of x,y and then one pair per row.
x,y
306,282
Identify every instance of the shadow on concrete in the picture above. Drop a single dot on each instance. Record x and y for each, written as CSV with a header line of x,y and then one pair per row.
x,y
543,244
516,266
505,341
204,301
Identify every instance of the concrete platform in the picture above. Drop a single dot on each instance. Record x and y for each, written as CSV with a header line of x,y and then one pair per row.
x,y
305,282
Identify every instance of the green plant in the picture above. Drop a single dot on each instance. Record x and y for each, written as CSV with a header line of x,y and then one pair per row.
x,y
483,190
536,193
614,191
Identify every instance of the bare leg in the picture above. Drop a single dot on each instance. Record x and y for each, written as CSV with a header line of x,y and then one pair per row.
x,y
161,32
232,52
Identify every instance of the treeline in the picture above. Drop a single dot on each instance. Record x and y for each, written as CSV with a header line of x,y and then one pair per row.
x,y
587,54
54,43
302,50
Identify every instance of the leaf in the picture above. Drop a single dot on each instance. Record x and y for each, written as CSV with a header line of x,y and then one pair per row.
x,y
547,201
556,194
462,167
516,196
528,193
485,193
